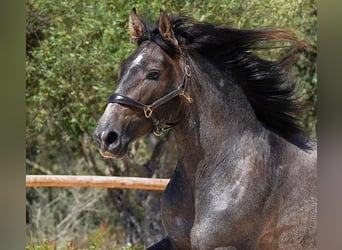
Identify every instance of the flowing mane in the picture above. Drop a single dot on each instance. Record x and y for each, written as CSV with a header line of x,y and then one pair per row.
x,y
265,82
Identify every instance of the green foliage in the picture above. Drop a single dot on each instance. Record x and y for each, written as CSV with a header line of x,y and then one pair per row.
x,y
138,247
73,52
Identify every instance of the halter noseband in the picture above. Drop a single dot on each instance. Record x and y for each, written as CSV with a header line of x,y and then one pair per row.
x,y
158,129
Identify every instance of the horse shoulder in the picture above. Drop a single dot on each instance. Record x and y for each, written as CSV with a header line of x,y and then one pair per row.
x,y
292,206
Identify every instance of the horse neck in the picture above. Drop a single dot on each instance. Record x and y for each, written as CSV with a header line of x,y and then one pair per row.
x,y
213,127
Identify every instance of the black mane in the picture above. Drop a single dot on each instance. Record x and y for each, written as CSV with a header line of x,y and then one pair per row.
x,y
265,82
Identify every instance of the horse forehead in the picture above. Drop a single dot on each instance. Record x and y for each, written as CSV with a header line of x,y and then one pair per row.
x,y
146,56
138,59
155,55
148,53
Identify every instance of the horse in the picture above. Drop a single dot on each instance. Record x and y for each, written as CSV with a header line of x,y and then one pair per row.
x,y
246,175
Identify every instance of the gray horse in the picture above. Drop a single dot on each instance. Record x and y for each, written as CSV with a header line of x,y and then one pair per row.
x,y
245,177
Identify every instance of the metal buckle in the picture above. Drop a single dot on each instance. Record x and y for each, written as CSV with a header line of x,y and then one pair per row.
x,y
186,95
148,112
187,70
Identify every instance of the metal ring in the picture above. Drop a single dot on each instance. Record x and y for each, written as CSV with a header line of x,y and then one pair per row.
x,y
157,131
148,112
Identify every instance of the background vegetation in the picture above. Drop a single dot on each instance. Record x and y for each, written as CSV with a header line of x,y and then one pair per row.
x,y
73,51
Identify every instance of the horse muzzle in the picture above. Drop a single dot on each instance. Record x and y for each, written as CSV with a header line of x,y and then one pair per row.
x,y
111,144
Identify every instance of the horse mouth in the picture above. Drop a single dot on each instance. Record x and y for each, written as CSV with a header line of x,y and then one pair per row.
x,y
116,153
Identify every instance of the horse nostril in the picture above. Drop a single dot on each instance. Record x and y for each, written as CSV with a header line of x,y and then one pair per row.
x,y
109,138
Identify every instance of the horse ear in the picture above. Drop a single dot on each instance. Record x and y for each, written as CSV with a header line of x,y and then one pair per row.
x,y
135,26
165,29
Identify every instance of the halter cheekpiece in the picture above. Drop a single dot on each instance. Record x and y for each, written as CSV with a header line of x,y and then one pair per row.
x,y
148,110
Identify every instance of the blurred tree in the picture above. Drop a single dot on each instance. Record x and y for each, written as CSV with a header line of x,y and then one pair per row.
x,y
73,51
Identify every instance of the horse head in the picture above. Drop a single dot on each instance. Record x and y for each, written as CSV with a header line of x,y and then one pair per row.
x,y
151,83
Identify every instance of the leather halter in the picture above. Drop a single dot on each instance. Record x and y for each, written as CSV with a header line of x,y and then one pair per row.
x,y
158,129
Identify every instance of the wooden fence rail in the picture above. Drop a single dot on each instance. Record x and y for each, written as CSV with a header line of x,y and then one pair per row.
x,y
95,181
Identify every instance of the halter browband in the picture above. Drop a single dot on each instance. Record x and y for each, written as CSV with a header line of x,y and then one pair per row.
x,y
158,129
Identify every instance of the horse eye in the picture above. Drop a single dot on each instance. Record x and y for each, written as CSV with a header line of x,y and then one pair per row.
x,y
153,75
